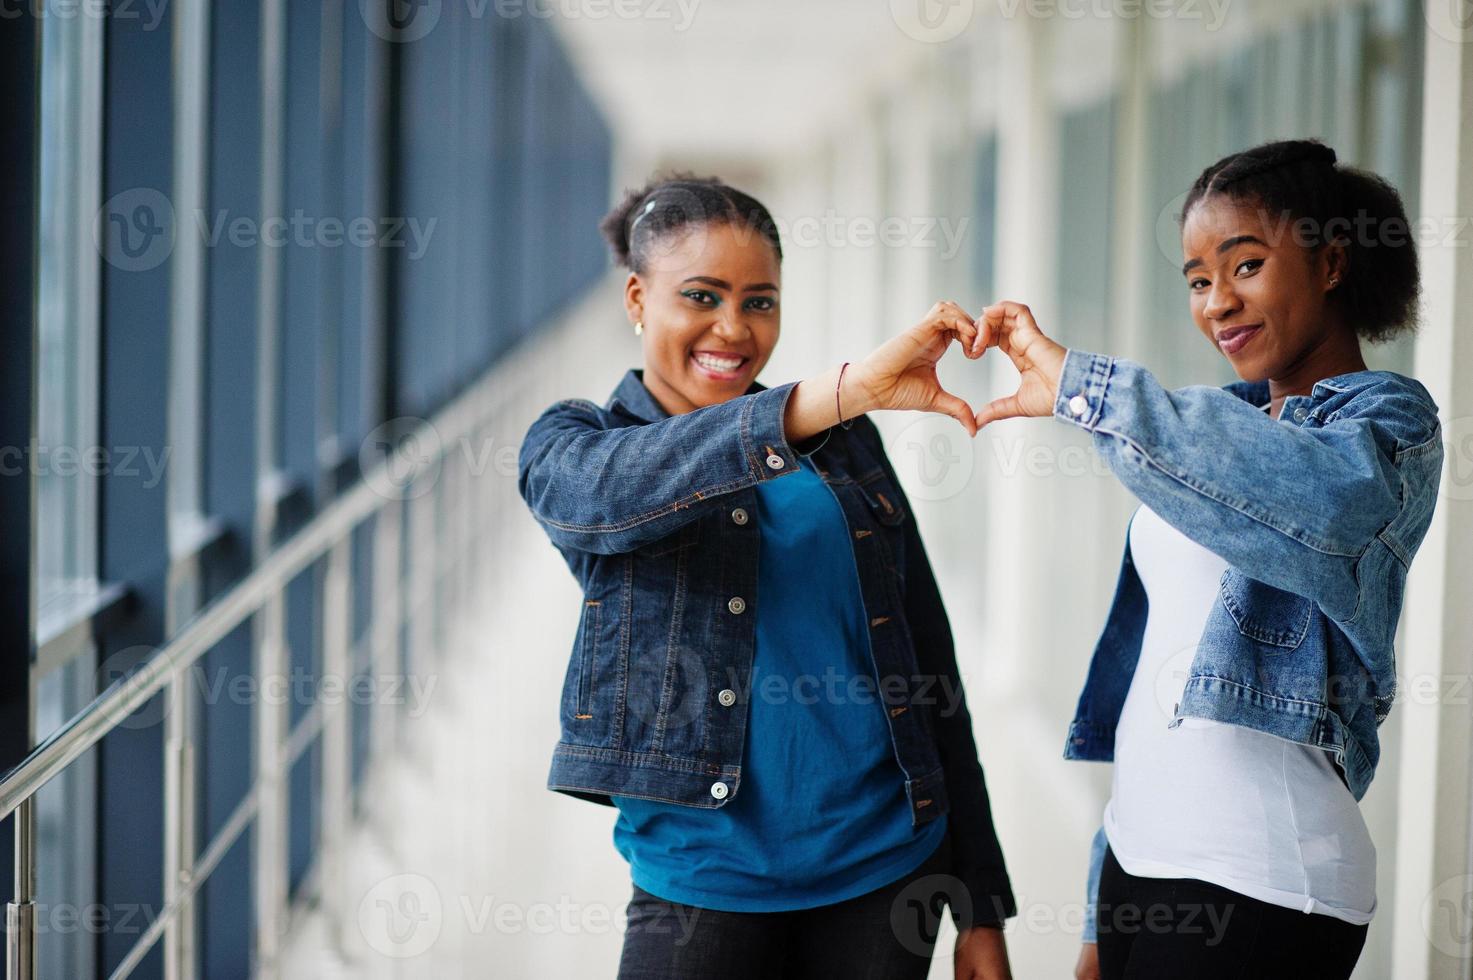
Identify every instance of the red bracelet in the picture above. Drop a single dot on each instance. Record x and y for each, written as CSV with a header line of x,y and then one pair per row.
x,y
838,408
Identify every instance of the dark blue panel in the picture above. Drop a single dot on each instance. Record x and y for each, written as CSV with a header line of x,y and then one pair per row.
x,y
361,647
304,789
137,178
304,637
20,130
301,325
359,172
226,691
232,280
226,916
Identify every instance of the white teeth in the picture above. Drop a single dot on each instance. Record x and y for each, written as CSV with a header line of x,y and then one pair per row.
x,y
716,363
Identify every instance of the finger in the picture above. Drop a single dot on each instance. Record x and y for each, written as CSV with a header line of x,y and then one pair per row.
x,y
948,318
1018,319
1006,407
966,332
1001,322
989,322
948,404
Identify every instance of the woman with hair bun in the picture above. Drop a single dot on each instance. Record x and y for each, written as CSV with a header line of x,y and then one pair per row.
x,y
763,680
1247,661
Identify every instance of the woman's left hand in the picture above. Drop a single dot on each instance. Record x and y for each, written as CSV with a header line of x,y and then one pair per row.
x,y
1010,328
981,954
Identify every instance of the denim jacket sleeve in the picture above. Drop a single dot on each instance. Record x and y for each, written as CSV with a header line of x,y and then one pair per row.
x,y
976,852
609,490
1291,506
1092,886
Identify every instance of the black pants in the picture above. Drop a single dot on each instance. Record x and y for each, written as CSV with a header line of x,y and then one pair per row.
x,y
1165,928
886,934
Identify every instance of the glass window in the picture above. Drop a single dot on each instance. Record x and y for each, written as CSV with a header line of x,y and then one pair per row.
x,y
65,460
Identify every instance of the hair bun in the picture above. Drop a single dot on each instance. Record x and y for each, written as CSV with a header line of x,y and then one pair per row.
x,y
1318,153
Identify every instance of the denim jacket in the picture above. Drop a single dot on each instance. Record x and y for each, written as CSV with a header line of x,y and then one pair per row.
x,y
655,516
1318,515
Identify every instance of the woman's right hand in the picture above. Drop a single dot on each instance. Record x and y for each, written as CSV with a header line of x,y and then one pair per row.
x,y
1088,966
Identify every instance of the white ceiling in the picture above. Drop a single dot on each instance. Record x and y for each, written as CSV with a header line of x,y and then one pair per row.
x,y
735,79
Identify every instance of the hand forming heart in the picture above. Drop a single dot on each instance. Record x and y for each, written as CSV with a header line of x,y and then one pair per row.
x,y
901,373
1010,328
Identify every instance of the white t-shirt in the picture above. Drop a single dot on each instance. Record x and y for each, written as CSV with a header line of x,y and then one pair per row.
x,y
1260,815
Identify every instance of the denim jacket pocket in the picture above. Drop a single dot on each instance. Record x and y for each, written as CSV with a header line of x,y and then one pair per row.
x,y
587,657
679,540
883,499
1264,613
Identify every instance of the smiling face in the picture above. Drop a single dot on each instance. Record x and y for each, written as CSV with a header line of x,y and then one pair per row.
x,y
1257,294
710,313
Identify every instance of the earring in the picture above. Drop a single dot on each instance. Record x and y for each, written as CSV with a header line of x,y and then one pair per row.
x,y
1334,281
638,327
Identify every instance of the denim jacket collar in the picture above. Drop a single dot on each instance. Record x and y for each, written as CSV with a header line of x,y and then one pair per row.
x,y
633,399
1257,393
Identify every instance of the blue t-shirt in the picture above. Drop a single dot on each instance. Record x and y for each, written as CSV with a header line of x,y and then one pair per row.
x,y
820,815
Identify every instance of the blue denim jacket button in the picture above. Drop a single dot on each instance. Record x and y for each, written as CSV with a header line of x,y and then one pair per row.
x,y
718,790
737,605
727,697
739,516
1078,405
775,462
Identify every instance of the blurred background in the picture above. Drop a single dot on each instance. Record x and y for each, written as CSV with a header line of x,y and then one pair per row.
x,y
290,278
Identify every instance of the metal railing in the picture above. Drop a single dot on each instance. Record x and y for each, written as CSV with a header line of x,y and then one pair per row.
x,y
260,594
